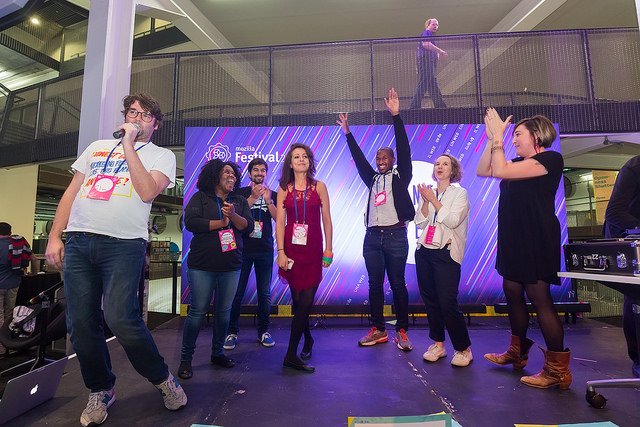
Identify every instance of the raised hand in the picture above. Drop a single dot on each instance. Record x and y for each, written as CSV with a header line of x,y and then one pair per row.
x,y
494,125
343,121
392,102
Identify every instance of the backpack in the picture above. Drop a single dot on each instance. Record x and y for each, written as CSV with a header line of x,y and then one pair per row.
x,y
23,321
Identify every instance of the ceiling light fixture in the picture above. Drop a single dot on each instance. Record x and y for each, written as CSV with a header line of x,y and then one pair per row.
x,y
34,21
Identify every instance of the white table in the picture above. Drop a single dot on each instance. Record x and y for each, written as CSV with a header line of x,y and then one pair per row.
x,y
600,277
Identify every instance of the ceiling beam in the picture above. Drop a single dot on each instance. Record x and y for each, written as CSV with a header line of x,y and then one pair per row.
x,y
29,52
204,34
525,16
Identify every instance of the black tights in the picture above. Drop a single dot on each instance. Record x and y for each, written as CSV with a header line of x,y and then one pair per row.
x,y
540,296
302,303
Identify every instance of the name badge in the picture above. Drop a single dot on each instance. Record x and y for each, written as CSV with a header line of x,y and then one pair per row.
x,y
227,240
380,199
300,233
431,231
257,230
103,187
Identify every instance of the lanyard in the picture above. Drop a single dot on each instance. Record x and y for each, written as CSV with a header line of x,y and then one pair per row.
x,y
304,204
439,198
104,167
220,210
384,182
261,199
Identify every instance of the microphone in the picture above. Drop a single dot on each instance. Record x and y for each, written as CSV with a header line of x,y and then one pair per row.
x,y
120,132
37,298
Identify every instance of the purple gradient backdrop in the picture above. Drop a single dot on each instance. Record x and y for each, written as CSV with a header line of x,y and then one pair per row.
x,y
345,282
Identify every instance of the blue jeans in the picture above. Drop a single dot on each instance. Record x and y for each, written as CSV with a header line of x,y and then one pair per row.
x,y
102,270
203,284
387,249
263,262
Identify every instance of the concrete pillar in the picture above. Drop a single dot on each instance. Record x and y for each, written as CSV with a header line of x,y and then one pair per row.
x,y
107,69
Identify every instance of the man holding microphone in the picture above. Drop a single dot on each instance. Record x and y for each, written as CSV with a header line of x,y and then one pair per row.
x,y
104,213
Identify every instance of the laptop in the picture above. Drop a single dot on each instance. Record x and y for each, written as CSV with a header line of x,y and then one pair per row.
x,y
31,389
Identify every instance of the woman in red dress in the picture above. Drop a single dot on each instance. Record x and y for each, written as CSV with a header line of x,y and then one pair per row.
x,y
303,202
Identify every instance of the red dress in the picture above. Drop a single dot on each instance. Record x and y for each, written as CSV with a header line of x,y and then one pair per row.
x,y
307,267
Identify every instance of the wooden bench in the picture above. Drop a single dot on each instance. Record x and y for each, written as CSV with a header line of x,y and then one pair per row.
x,y
570,309
467,310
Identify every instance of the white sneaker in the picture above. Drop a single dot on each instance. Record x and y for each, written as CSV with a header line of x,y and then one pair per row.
x,y
96,411
462,358
172,393
434,352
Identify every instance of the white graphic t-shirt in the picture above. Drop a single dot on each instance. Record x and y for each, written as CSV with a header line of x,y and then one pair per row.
x,y
124,215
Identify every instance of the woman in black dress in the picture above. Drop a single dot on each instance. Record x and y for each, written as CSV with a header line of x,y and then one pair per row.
x,y
528,240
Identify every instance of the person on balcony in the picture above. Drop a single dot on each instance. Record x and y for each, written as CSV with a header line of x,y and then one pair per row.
x,y
427,57
218,222
104,213
389,209
528,257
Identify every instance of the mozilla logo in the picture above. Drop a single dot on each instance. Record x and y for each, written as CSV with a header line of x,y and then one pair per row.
x,y
219,151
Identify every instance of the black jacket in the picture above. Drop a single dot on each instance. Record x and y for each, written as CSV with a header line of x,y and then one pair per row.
x,y
205,252
400,181
623,210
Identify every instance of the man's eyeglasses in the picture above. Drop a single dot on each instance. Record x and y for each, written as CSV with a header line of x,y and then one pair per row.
x,y
132,113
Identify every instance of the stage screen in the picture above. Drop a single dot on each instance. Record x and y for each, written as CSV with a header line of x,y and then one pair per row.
x,y
345,282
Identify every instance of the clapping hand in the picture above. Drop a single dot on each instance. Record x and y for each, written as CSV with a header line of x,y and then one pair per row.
x,y
427,193
228,209
257,191
494,125
392,102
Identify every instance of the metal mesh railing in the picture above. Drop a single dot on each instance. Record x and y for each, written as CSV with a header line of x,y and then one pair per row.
x,y
586,80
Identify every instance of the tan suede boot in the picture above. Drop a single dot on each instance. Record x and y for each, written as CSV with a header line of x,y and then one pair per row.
x,y
517,354
554,372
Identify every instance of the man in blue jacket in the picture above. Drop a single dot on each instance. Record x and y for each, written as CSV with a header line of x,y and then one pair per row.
x,y
389,209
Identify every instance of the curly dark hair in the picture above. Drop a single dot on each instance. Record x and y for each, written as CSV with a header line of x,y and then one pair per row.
x,y
209,176
147,102
287,176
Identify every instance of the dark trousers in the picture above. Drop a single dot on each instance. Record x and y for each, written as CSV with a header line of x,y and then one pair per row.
x,y
438,280
630,327
427,81
387,250
263,263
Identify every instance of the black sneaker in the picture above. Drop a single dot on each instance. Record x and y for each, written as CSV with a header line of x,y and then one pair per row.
x,y
224,361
